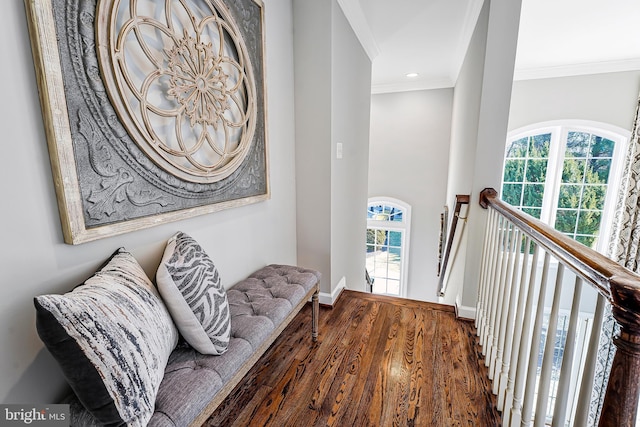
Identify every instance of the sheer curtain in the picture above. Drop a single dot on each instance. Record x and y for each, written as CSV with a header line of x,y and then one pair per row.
x,y
624,248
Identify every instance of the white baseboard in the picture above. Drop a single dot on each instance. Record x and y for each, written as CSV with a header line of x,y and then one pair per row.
x,y
330,299
465,312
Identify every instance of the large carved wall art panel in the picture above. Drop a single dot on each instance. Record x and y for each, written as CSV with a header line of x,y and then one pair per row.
x,y
154,109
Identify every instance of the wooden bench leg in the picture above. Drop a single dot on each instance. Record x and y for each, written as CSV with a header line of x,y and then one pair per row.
x,y
315,308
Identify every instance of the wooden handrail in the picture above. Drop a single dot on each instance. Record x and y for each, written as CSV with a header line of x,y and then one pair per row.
x,y
461,199
616,283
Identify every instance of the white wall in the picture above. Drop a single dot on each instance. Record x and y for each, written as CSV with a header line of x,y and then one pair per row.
x,y
350,115
332,94
466,110
497,82
408,160
482,163
34,258
464,134
608,98
312,54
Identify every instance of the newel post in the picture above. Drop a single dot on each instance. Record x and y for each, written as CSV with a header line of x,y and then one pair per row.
x,y
621,399
485,195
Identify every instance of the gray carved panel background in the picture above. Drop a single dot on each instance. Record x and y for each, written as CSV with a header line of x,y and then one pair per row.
x,y
119,187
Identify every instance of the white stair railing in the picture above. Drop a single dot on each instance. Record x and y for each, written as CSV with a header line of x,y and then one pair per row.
x,y
533,277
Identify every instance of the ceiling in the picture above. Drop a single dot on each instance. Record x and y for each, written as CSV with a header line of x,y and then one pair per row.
x,y
430,37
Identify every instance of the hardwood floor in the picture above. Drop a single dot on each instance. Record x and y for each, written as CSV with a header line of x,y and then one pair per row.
x,y
379,361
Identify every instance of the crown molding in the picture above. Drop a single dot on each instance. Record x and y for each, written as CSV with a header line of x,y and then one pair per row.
x,y
632,64
358,22
472,13
423,84
520,74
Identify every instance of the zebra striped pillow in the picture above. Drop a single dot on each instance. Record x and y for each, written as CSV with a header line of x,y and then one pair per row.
x,y
189,283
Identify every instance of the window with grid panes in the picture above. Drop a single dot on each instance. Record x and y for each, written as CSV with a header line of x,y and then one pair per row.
x,y
566,175
388,222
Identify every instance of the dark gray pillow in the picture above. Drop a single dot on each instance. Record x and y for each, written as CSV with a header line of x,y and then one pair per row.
x,y
112,337
190,286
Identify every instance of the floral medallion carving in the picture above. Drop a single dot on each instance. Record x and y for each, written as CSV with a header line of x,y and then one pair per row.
x,y
180,78
154,109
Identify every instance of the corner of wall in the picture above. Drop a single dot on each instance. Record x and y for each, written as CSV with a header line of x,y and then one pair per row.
x,y
330,299
463,311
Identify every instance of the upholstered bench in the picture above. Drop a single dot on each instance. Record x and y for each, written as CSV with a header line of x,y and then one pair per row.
x,y
193,384
261,307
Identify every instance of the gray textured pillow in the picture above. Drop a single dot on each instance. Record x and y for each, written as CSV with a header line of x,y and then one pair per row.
x,y
112,337
190,286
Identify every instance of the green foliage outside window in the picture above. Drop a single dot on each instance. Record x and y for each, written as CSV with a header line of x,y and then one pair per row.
x,y
525,172
585,174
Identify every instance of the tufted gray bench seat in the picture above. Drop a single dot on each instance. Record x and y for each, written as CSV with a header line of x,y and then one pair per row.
x,y
261,306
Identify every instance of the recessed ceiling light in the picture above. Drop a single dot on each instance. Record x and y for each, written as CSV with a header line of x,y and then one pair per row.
x,y
412,75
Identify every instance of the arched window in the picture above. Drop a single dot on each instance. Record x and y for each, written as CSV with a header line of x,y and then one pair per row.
x,y
388,222
566,174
